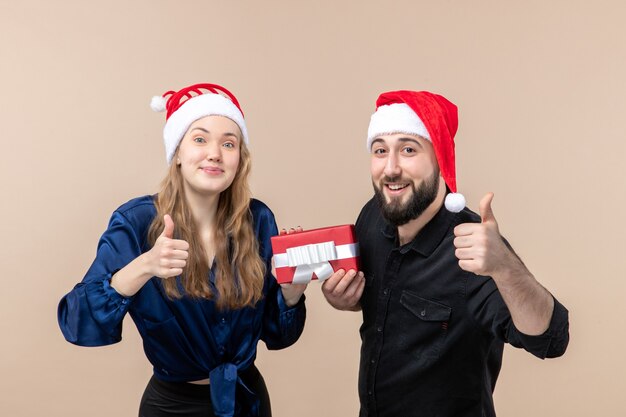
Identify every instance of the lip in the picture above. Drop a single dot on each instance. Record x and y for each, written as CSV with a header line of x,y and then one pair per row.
x,y
212,170
398,191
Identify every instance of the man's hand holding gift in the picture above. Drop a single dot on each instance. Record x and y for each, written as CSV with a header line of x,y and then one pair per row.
x,y
343,289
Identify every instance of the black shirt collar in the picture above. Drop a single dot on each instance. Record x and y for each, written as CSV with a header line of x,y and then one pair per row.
x,y
428,238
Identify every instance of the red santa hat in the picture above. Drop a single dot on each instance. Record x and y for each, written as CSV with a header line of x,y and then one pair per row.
x,y
424,114
192,103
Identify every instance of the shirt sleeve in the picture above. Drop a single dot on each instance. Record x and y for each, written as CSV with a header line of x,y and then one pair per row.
x,y
552,343
92,313
492,315
282,325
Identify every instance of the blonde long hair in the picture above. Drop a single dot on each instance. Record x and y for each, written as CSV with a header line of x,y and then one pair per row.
x,y
240,272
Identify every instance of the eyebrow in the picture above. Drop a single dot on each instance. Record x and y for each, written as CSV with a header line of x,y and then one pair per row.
x,y
206,131
401,139
405,139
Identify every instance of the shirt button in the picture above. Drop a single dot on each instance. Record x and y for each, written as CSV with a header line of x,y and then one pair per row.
x,y
223,320
379,329
369,392
373,361
385,291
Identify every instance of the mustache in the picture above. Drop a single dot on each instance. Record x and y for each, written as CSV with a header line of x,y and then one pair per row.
x,y
398,178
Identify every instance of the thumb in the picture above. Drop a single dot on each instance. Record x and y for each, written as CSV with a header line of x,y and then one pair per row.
x,y
486,213
168,230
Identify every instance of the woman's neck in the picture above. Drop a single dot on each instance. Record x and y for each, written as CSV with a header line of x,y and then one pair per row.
x,y
203,209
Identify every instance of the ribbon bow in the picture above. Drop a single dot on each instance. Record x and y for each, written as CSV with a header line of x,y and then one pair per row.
x,y
314,259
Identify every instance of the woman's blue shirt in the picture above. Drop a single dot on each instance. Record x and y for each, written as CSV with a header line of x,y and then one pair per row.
x,y
184,339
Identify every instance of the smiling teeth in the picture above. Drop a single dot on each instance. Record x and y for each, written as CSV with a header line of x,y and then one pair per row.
x,y
396,187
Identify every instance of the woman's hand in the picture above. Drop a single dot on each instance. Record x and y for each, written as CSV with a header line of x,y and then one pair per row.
x,y
291,292
168,256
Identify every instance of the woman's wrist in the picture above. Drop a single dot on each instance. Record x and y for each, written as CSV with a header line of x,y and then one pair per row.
x,y
292,293
290,302
129,280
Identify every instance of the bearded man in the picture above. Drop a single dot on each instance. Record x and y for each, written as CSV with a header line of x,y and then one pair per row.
x,y
440,289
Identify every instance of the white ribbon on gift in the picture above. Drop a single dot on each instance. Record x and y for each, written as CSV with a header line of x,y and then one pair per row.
x,y
314,259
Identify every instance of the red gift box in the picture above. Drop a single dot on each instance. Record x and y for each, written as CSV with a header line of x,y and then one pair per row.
x,y
314,254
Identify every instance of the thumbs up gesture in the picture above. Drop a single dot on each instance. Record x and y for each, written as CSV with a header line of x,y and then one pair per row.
x,y
479,246
168,256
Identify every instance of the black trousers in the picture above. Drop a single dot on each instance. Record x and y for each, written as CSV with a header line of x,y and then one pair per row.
x,y
182,399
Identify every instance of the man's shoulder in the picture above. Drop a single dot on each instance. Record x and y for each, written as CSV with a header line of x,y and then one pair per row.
x,y
466,216
446,221
370,210
370,220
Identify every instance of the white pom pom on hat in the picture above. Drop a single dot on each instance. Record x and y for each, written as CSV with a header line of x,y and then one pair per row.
x,y
455,202
158,104
192,103
424,114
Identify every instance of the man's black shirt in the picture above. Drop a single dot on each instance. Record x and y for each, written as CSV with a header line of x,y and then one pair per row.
x,y
433,334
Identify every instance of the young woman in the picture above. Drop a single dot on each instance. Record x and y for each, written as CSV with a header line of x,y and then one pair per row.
x,y
191,265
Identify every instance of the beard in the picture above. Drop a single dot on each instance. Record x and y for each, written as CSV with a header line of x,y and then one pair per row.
x,y
398,213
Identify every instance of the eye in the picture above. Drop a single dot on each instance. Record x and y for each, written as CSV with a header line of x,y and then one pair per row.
x,y
379,151
229,145
199,139
409,150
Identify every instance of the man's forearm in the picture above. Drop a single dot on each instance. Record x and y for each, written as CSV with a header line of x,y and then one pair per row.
x,y
529,303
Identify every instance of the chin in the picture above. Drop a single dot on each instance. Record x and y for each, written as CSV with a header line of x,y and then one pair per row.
x,y
398,200
207,190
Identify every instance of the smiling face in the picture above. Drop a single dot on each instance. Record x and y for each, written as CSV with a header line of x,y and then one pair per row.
x,y
209,154
405,175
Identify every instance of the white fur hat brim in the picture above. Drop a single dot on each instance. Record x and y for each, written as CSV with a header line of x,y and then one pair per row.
x,y
395,118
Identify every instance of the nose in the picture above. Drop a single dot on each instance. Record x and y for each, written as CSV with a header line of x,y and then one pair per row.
x,y
214,152
392,166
